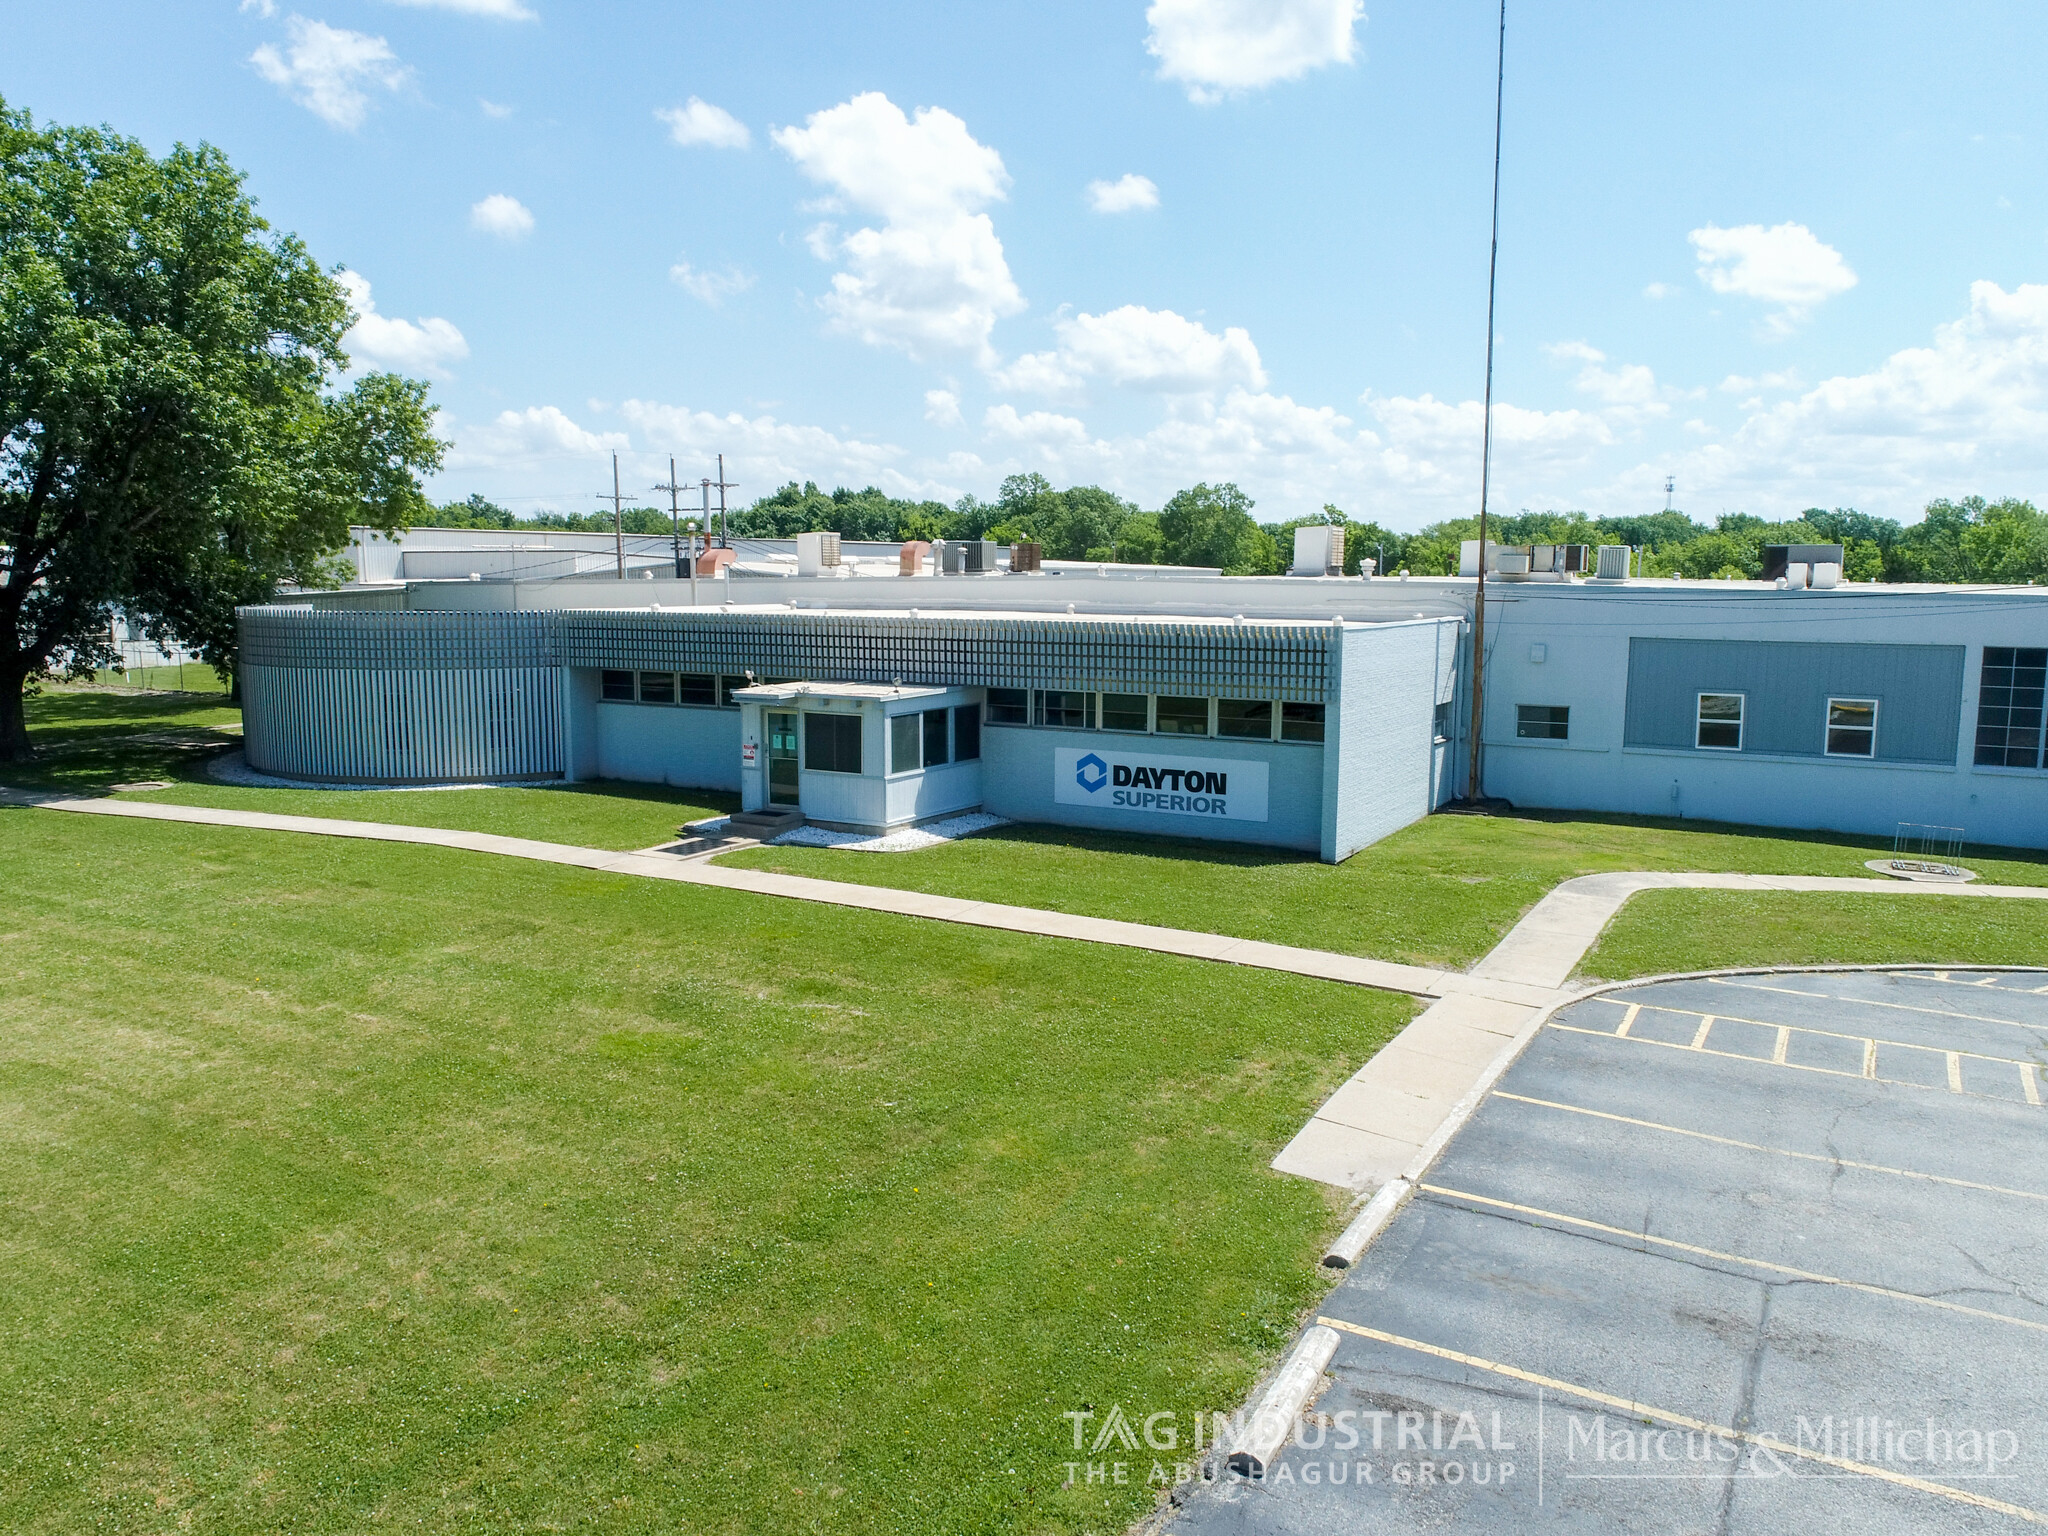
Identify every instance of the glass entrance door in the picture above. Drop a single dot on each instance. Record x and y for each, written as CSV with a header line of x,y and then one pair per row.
x,y
782,764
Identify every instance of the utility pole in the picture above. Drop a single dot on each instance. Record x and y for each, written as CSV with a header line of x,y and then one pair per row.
x,y
724,485
675,520
1472,777
618,518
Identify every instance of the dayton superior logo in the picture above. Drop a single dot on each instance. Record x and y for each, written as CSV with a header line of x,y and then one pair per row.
x,y
1091,773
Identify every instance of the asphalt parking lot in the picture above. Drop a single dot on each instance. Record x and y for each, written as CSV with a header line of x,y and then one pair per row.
x,y
1752,1254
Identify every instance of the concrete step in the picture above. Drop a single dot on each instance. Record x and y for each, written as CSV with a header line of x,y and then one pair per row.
x,y
764,824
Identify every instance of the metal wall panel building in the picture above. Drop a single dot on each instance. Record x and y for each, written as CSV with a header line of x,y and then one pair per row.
x,y
1786,686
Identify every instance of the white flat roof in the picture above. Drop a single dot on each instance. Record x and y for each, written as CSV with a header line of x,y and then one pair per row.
x,y
778,693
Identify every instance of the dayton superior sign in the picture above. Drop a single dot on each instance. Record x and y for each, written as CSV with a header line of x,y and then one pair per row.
x,y
1171,786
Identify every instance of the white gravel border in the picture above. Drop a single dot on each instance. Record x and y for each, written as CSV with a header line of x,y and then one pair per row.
x,y
909,840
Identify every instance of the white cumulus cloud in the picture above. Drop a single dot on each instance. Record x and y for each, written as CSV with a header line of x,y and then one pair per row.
x,y
518,440
698,123
408,346
330,71
1784,265
505,217
496,10
1213,47
1124,195
1630,389
712,288
942,407
1968,413
932,278
1139,348
1044,429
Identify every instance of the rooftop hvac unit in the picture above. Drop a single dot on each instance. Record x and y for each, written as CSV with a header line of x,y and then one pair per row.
x,y
816,552
1025,557
1778,557
980,556
1614,562
1318,550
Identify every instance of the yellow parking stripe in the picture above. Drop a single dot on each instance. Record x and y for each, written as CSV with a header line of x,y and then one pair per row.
x,y
1808,1029
1871,1002
1628,1020
1751,1146
1683,1421
1954,1085
1734,1258
1699,1039
2030,1082
1784,1041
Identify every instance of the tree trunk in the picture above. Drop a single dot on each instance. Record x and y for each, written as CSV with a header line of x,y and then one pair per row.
x,y
14,747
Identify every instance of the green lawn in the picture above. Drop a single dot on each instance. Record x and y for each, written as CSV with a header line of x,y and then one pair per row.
x,y
1441,892
353,1186
1660,931
192,677
92,740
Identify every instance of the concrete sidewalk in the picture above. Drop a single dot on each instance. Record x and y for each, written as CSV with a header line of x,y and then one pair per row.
x,y
1367,1131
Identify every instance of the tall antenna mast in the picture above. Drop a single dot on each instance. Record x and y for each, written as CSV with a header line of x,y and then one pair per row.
x,y
1472,778
1670,485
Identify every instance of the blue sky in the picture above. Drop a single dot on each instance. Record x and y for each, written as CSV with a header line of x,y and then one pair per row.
x,y
1790,254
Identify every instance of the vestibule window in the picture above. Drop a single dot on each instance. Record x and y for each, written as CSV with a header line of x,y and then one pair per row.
x,y
904,737
1852,727
832,743
1720,722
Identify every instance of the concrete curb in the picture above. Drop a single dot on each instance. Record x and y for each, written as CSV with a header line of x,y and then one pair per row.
x,y
1379,1211
1271,1424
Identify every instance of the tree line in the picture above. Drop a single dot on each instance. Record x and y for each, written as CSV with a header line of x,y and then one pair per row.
x,y
1970,540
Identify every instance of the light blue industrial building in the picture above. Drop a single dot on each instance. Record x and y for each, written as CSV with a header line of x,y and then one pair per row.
x,y
1309,712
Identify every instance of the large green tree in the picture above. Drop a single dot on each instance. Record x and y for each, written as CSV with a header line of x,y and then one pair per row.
x,y
1212,525
176,434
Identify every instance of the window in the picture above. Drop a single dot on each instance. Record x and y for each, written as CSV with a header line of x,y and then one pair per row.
x,y
1443,721
2009,703
1301,722
1183,717
1245,717
1126,712
726,685
1852,727
832,743
1069,711
966,733
657,688
1545,722
1009,706
1720,722
618,686
696,688
935,737
904,739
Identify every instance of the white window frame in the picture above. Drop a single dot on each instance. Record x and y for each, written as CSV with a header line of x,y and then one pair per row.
x,y
1699,719
1828,728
